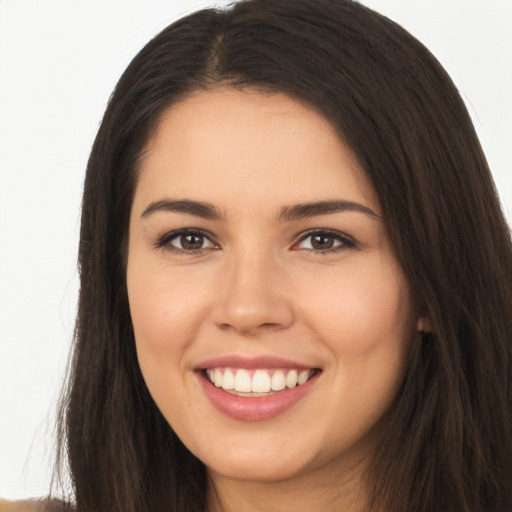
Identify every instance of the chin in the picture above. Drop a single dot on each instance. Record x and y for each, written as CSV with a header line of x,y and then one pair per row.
x,y
257,471
260,462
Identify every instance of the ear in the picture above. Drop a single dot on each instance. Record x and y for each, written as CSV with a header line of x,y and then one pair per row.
x,y
424,324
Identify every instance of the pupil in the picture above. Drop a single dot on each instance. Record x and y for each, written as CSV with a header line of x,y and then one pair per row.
x,y
192,241
322,242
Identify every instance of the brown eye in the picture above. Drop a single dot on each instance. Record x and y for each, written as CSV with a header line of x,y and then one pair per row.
x,y
324,241
186,241
191,242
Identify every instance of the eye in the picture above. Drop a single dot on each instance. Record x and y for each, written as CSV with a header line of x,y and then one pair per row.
x,y
323,241
184,241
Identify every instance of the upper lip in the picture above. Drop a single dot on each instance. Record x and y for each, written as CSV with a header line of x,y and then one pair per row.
x,y
236,361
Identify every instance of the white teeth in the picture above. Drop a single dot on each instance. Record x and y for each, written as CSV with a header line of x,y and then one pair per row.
x,y
291,379
243,381
278,382
218,378
260,382
303,377
229,380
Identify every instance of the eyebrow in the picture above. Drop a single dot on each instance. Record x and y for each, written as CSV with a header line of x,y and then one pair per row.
x,y
302,211
287,213
197,208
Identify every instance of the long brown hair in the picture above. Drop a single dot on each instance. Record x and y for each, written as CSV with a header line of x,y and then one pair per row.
x,y
448,446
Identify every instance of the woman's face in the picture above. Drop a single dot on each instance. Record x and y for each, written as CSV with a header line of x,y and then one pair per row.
x,y
271,319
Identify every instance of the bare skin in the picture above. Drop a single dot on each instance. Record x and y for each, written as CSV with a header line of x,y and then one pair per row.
x,y
236,254
31,506
303,496
255,236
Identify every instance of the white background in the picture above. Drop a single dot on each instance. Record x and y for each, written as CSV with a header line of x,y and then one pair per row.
x,y
59,61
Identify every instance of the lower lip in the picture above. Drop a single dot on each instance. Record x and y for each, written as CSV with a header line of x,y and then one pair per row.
x,y
255,408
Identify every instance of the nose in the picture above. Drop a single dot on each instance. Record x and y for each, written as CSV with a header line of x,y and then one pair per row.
x,y
253,297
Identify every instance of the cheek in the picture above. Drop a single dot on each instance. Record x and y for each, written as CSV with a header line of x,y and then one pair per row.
x,y
366,321
360,311
366,324
166,315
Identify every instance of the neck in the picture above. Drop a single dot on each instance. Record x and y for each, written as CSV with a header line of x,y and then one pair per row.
x,y
333,490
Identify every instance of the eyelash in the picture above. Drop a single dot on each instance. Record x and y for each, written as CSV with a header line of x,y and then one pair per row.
x,y
345,241
164,242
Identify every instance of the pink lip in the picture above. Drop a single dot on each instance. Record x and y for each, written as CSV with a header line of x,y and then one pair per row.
x,y
253,408
250,363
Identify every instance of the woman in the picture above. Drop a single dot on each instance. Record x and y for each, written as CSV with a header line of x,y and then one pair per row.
x,y
294,277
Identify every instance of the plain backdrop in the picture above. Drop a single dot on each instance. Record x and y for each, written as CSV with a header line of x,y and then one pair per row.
x,y
59,61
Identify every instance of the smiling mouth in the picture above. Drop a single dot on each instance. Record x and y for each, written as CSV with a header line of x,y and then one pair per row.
x,y
257,382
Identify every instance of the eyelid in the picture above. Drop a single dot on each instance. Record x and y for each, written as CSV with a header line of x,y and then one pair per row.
x,y
163,241
347,241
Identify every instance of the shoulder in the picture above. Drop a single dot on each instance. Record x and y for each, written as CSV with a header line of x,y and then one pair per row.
x,y
33,506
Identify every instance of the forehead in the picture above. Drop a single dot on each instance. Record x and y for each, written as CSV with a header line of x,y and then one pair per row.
x,y
259,146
